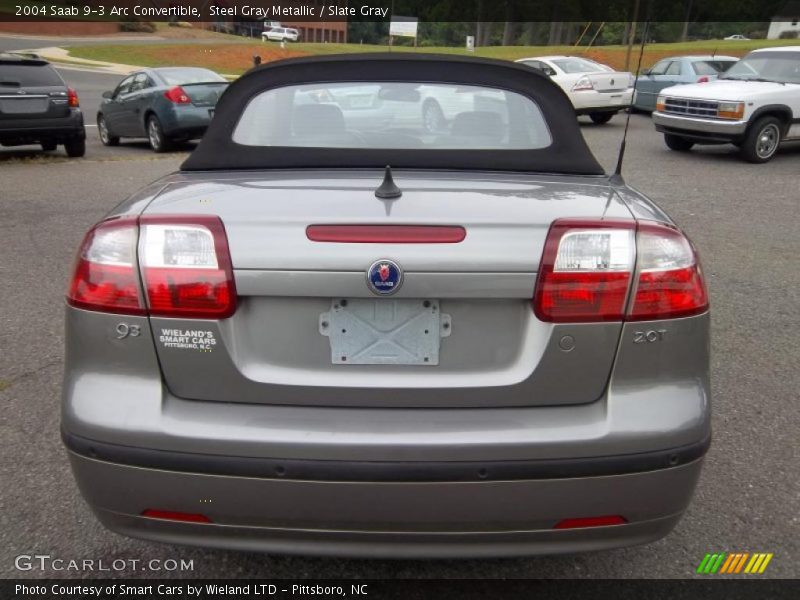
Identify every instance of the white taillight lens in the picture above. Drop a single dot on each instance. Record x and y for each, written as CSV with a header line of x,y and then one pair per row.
x,y
186,267
104,277
598,250
583,84
190,247
587,269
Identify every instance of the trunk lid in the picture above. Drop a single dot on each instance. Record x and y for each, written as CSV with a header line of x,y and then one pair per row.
x,y
610,82
473,334
204,94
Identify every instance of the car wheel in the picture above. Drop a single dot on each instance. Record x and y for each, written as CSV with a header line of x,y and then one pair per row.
x,y
432,117
105,136
155,134
601,118
677,143
75,148
762,140
49,146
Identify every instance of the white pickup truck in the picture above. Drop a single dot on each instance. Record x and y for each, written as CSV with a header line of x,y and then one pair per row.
x,y
755,105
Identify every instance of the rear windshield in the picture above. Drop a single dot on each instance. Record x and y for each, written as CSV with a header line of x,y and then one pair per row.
x,y
712,67
386,115
29,76
189,76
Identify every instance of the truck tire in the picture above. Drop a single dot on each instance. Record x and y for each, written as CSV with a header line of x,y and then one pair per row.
x,y
677,143
761,140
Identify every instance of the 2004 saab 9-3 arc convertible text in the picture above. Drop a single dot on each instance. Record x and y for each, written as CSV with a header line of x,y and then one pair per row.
x,y
488,347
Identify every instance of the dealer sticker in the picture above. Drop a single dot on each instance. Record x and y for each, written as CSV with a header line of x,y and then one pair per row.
x,y
188,339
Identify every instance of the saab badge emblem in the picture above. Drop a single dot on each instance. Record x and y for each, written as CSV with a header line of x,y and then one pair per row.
x,y
384,277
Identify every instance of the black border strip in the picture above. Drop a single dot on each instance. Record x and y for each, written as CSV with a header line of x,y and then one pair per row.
x,y
346,471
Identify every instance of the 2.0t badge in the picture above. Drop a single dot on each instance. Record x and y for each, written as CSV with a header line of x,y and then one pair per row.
x,y
384,277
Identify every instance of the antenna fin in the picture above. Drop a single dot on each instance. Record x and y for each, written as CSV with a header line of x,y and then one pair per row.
x,y
387,189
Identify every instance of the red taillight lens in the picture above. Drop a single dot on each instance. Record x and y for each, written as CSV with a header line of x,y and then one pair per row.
x,y
187,267
670,282
177,95
171,515
580,522
585,271
72,98
587,268
703,79
104,277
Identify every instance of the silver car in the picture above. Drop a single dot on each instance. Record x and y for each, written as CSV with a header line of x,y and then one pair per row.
x,y
320,337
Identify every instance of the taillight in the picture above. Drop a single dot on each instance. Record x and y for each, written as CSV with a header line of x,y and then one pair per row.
x,y
583,84
703,79
104,276
670,283
184,261
177,95
588,267
72,98
585,271
186,267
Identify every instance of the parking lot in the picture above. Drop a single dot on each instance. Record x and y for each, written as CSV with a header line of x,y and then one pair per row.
x,y
742,217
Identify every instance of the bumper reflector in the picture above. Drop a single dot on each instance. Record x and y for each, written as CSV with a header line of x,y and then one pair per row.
x,y
170,515
590,522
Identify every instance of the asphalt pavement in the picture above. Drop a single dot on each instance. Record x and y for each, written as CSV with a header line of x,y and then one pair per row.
x,y
743,219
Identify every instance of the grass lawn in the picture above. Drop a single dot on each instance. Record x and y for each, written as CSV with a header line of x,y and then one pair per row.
x,y
237,58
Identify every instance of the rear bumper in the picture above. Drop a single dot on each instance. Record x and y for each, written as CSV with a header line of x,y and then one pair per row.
x,y
186,121
711,130
444,481
591,101
29,131
394,519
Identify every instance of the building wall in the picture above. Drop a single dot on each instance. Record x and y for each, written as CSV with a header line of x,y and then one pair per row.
x,y
776,28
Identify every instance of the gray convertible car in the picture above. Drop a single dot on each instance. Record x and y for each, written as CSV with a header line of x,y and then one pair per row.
x,y
165,105
329,335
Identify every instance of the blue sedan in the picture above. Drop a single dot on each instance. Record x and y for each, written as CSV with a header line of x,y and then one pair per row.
x,y
677,70
165,105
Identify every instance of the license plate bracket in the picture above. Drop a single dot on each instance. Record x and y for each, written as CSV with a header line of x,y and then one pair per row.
x,y
384,331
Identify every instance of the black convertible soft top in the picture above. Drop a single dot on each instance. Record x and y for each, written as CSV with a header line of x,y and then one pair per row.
x,y
567,154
